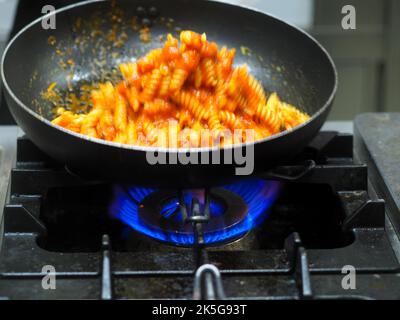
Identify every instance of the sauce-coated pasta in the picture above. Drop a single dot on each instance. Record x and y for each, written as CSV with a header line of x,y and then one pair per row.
x,y
189,86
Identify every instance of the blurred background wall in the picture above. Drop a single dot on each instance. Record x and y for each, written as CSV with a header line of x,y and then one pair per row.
x,y
368,58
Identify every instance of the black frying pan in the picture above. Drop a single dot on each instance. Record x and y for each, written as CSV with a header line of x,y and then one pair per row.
x,y
284,58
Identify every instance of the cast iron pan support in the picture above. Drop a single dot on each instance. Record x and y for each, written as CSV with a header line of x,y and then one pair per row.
x,y
298,260
289,173
106,277
207,283
207,279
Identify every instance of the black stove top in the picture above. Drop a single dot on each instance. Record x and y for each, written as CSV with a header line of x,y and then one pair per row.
x,y
324,219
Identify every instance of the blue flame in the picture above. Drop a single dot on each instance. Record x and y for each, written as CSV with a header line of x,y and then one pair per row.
x,y
258,194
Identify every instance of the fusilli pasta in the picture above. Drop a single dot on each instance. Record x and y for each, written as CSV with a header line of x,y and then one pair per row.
x,y
181,89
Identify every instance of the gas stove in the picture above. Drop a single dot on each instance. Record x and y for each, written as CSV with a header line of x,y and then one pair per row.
x,y
299,231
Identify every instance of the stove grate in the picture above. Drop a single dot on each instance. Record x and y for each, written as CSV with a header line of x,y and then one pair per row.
x,y
297,269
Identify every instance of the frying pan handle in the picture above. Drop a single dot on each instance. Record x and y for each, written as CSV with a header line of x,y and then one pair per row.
x,y
289,173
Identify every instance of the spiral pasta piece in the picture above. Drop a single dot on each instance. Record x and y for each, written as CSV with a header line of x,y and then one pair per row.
x,y
214,122
209,49
269,114
191,39
188,101
255,92
178,78
188,62
209,72
90,122
108,91
157,107
225,60
131,136
150,61
152,85
132,95
291,116
120,137
198,77
120,113
130,72
164,86
184,119
230,119
105,127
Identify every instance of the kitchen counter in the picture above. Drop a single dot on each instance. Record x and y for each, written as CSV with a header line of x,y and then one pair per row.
x,y
8,139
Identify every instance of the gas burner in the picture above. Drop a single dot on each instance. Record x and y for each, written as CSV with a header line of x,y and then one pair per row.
x,y
321,221
166,215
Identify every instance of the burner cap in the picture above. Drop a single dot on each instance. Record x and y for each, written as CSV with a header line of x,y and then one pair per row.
x,y
161,211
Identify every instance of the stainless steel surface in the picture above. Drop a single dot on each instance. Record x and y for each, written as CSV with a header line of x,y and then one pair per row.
x,y
8,140
341,126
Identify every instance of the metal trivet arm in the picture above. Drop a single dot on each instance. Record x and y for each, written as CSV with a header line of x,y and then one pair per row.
x,y
208,283
197,218
207,279
298,260
106,275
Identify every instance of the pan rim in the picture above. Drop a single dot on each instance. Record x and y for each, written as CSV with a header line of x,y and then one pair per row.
x,y
118,145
